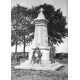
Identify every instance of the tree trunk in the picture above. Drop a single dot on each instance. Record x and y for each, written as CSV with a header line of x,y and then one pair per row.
x,y
16,50
24,45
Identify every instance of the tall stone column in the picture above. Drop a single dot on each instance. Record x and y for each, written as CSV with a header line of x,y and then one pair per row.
x,y
41,36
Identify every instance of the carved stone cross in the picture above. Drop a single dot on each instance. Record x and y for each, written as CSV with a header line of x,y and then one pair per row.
x,y
41,10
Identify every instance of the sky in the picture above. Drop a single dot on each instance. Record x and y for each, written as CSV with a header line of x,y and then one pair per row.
x,y
62,4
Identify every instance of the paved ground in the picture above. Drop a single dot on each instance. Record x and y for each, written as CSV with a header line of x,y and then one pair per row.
x,y
61,74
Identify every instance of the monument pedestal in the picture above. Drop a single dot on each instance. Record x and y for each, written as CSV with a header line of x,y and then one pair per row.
x,y
45,57
44,65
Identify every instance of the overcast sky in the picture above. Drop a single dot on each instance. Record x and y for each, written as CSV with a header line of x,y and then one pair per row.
x,y
29,3
63,4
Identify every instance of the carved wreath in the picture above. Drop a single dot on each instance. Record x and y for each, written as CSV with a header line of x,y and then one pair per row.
x,y
36,57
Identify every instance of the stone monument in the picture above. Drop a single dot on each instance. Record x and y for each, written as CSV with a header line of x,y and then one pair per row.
x,y
41,36
40,41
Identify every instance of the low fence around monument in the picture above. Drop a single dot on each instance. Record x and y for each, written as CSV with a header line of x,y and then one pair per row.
x,y
55,55
20,54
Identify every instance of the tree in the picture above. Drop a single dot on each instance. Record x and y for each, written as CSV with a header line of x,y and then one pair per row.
x,y
56,25
20,25
14,40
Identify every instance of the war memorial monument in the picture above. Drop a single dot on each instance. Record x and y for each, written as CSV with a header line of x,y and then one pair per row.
x,y
39,54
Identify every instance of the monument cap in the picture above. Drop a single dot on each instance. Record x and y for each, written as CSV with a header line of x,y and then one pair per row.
x,y
41,16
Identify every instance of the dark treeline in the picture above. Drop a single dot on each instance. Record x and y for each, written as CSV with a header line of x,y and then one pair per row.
x,y
61,55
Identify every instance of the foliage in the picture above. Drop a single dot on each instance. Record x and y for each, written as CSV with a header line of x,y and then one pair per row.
x,y
52,53
22,18
20,23
61,55
57,22
20,26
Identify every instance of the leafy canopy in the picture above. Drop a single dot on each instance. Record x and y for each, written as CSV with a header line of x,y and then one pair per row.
x,y
20,25
57,22
56,25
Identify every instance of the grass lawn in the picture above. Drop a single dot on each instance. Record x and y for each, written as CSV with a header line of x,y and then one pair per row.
x,y
61,74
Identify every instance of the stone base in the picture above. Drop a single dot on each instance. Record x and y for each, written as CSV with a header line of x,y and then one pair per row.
x,y
44,65
28,65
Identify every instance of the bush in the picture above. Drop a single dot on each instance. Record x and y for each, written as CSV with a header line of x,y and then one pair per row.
x,y
61,55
